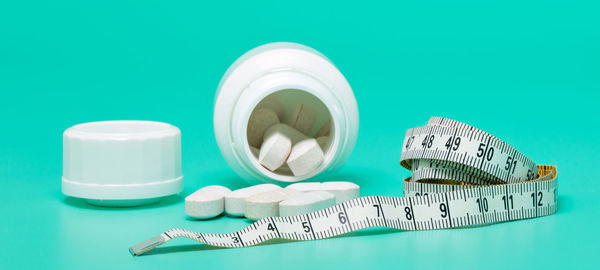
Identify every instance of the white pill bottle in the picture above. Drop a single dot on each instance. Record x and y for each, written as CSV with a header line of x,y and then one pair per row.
x,y
283,76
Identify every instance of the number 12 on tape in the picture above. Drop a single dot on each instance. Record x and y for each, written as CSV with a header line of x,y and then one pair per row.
x,y
468,178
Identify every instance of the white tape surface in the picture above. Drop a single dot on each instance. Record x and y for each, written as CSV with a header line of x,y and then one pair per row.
x,y
460,176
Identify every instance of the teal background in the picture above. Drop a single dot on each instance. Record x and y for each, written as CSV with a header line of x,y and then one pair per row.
x,y
526,71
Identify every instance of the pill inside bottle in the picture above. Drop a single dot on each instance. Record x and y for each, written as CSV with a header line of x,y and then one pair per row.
x,y
284,113
280,122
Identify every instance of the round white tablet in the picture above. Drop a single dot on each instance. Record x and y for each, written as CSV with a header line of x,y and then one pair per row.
x,y
207,202
305,186
305,157
266,204
343,191
275,150
286,130
303,118
235,202
306,203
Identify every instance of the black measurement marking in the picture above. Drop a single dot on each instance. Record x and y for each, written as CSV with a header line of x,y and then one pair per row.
x,y
482,201
311,227
346,214
448,209
202,236
274,226
482,153
411,211
381,209
239,238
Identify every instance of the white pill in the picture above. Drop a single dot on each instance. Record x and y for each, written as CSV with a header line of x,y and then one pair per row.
x,y
306,203
266,204
235,202
305,186
303,118
255,151
260,120
305,157
286,130
207,202
325,129
274,150
274,103
343,191
323,142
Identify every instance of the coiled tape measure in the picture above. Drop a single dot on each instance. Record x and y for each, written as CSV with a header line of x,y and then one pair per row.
x,y
461,176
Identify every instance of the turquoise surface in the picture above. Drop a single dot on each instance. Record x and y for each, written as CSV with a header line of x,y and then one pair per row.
x,y
525,71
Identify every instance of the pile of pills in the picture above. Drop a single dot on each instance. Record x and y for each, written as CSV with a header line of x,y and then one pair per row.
x,y
268,200
287,148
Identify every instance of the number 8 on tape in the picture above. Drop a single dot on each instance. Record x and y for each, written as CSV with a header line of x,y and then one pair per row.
x,y
461,176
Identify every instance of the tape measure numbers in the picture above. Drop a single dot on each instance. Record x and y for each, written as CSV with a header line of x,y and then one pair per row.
x,y
461,176
449,150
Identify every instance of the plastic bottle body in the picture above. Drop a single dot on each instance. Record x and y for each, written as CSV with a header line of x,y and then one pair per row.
x,y
292,72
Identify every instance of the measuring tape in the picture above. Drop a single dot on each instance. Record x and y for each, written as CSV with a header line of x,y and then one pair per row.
x,y
461,176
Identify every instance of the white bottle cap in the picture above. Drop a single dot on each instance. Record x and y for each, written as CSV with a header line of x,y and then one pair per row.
x,y
122,163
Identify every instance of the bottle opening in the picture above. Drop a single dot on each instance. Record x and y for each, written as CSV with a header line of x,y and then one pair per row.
x,y
290,133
